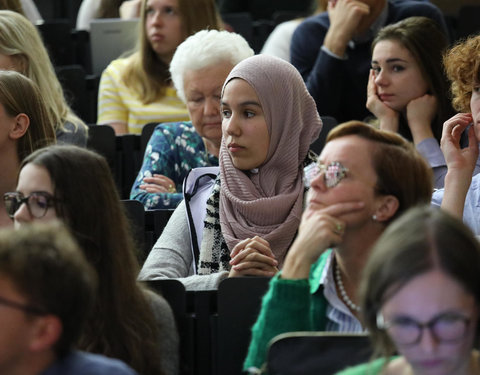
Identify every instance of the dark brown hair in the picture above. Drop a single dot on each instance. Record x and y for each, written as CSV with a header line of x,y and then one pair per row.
x,y
122,324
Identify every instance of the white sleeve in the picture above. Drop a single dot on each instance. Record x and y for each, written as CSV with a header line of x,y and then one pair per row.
x,y
31,11
87,12
279,40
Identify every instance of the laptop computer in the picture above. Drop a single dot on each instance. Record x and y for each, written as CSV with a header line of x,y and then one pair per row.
x,y
109,39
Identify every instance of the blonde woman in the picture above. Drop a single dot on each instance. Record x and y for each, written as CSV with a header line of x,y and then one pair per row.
x,y
22,50
137,89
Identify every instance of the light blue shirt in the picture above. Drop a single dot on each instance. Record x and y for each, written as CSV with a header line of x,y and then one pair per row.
x,y
82,363
430,150
471,211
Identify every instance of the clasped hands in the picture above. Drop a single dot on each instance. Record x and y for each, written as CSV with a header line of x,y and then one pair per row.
x,y
158,184
253,257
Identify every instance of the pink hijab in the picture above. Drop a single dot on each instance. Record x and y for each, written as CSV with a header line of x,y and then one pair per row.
x,y
270,203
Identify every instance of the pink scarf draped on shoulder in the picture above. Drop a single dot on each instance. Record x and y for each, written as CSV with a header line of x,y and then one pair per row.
x,y
269,203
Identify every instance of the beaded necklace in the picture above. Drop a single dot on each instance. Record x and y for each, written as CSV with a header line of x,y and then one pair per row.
x,y
343,293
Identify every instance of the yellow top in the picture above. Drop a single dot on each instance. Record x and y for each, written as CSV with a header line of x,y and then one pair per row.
x,y
119,103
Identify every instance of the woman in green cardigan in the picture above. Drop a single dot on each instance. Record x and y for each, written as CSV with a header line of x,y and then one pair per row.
x,y
356,190
420,297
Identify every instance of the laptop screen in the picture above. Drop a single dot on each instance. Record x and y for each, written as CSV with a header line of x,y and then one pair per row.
x,y
109,39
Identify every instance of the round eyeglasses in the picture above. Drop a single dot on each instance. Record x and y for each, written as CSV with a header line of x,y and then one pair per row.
x,y
37,203
19,306
447,327
333,173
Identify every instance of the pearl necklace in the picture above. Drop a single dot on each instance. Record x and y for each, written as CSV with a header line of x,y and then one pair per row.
x,y
343,293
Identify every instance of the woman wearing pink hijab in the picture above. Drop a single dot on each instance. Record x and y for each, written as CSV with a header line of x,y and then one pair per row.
x,y
254,207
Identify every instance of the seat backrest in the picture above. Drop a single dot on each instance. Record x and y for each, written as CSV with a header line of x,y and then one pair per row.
x,y
83,53
175,294
284,15
239,300
147,132
56,35
101,138
261,32
313,353
128,149
328,124
155,221
74,83
136,215
242,23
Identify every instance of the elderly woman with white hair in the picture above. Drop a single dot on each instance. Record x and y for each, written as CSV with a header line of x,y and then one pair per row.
x,y
198,68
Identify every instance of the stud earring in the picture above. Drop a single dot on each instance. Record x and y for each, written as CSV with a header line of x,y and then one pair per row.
x,y
374,217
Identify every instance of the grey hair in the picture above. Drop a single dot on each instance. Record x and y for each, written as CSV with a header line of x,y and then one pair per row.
x,y
204,49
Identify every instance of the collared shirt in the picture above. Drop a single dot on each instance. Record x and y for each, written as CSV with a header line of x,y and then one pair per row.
x,y
471,210
339,317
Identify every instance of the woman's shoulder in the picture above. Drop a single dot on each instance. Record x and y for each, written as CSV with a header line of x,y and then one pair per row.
x,y
74,134
179,128
117,65
161,309
158,303
179,137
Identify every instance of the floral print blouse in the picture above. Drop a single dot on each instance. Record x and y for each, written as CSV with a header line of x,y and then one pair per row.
x,y
173,149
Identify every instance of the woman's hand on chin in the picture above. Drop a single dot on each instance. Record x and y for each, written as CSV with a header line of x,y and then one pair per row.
x,y
321,228
387,117
420,114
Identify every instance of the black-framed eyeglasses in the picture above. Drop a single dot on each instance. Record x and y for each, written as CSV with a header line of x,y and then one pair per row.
x,y
20,306
333,173
37,203
448,327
